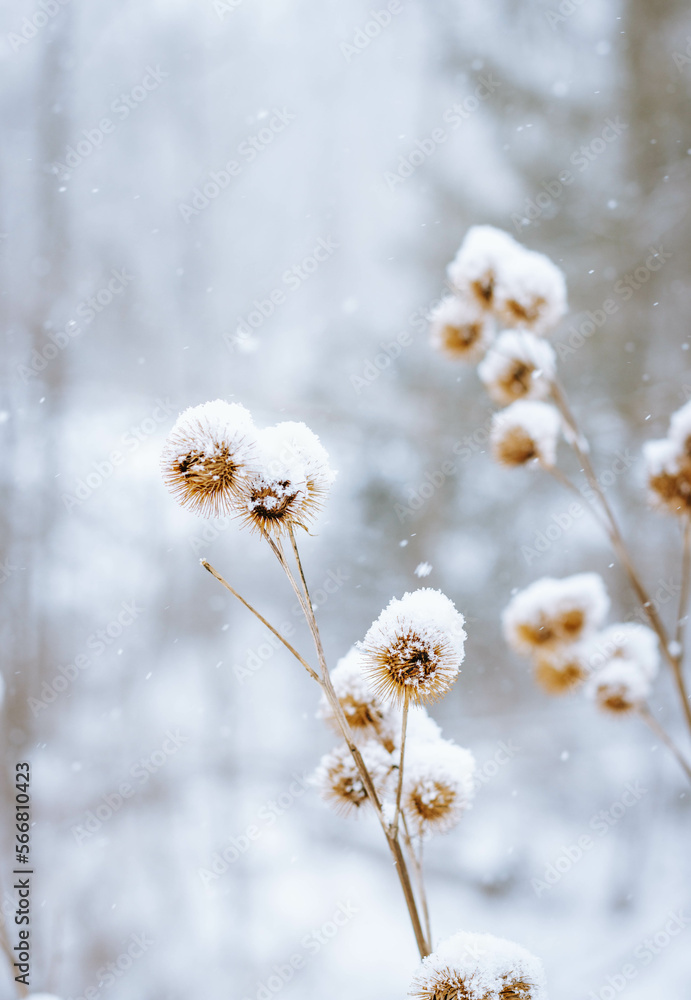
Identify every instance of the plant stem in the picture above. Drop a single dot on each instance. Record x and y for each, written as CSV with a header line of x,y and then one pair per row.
x,y
399,787
684,593
621,550
334,701
261,618
419,877
655,726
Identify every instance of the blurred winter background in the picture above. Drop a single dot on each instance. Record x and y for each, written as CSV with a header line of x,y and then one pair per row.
x,y
124,287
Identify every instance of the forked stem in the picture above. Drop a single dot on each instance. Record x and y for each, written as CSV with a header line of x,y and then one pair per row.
x,y
262,619
334,701
325,683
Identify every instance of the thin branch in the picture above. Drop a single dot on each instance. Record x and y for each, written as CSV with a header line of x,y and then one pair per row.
x,y
399,787
416,862
337,708
655,726
684,593
621,550
262,619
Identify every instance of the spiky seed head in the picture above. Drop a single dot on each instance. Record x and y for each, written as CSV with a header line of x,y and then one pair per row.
x,y
339,782
290,480
437,785
479,967
551,614
208,455
414,650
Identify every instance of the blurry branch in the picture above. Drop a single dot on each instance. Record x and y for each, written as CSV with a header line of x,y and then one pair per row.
x,y
684,593
652,722
581,448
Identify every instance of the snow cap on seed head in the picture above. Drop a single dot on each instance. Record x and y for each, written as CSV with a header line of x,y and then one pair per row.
x,y
669,474
524,431
551,613
460,329
530,292
480,259
437,785
207,455
289,482
619,687
563,669
518,366
361,706
519,286
414,650
630,641
479,967
338,780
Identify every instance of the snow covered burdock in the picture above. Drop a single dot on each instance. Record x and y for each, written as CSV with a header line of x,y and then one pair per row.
x,y
461,329
290,479
339,782
363,709
525,431
479,967
207,455
668,463
414,650
518,366
518,286
551,613
215,461
437,785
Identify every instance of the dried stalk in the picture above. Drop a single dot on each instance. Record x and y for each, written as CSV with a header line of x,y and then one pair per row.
x,y
655,726
324,681
621,549
399,786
